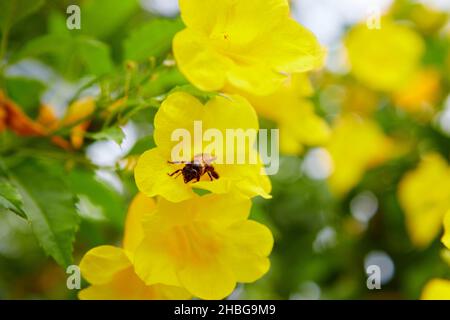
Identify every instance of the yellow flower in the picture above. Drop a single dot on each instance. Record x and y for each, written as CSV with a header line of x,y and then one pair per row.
x,y
446,236
425,197
205,245
436,289
110,269
250,44
221,114
420,94
356,145
384,59
293,113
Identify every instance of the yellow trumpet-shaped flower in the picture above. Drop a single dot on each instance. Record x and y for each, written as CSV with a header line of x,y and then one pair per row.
x,y
436,289
250,44
446,236
110,270
386,58
205,244
424,194
294,114
220,116
356,145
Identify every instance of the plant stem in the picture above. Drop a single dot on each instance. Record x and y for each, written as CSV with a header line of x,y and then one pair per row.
x,y
4,43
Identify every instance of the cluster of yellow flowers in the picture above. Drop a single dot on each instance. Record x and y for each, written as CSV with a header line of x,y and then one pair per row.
x,y
424,192
425,214
181,244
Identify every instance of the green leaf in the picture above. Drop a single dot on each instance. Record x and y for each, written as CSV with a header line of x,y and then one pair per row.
x,y
48,44
92,55
12,11
95,56
49,206
100,195
142,145
10,199
112,133
56,24
163,81
26,93
100,18
153,39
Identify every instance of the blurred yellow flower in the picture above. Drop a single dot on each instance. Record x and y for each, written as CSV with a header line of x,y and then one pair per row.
x,y
421,93
221,113
293,113
360,100
427,19
384,59
250,44
436,289
446,236
356,145
424,194
205,244
110,270
77,117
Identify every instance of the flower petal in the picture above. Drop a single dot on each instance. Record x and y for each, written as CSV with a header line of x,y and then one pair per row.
x,y
230,112
192,56
101,264
126,285
179,111
134,233
424,214
152,178
249,245
256,78
222,210
154,263
290,48
390,68
436,289
355,146
242,21
213,280
446,237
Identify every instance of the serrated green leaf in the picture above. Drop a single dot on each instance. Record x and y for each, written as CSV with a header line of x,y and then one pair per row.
x,y
153,39
10,198
113,133
49,206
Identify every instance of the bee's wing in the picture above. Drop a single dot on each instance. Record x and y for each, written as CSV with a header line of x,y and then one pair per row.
x,y
208,159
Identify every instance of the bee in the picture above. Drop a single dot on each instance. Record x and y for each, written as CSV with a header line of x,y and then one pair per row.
x,y
195,169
